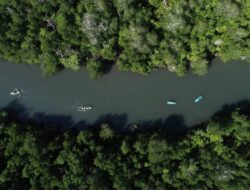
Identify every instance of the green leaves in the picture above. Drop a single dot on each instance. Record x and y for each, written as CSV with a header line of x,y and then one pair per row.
x,y
106,132
138,36
72,61
94,66
212,157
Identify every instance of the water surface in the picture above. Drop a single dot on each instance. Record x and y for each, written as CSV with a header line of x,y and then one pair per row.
x,y
132,97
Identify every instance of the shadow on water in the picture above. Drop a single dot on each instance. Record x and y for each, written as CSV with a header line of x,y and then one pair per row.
x,y
119,122
173,125
19,112
107,66
16,110
57,120
243,107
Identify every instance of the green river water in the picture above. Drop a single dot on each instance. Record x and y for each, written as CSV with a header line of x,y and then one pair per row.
x,y
121,97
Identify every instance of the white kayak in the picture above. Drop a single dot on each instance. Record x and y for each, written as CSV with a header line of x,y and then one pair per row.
x,y
198,99
84,108
171,102
16,92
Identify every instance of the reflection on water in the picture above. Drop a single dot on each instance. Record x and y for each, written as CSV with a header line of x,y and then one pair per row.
x,y
123,98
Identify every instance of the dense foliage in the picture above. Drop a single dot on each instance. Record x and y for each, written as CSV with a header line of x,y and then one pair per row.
x,y
140,36
216,157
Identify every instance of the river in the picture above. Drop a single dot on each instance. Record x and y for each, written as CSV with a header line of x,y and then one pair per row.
x,y
122,97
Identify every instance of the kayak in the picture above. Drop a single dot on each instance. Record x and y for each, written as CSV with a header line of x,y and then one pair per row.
x,y
198,99
84,108
15,92
171,102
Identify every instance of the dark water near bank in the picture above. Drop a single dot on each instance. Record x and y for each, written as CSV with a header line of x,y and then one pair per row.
x,y
123,97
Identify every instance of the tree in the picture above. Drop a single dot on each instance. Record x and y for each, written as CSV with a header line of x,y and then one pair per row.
x,y
106,132
71,61
214,156
137,36
94,66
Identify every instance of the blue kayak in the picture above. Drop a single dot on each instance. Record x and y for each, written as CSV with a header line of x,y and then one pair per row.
x,y
171,102
198,99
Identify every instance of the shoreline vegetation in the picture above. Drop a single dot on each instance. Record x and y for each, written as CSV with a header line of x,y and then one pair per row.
x,y
138,36
215,156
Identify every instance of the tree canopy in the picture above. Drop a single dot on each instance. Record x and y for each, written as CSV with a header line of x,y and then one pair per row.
x,y
215,156
140,36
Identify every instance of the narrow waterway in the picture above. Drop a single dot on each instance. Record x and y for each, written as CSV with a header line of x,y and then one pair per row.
x,y
122,96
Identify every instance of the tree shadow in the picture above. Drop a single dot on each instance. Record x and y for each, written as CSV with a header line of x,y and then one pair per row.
x,y
242,106
16,110
210,57
225,113
19,113
107,66
117,121
172,125
64,121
